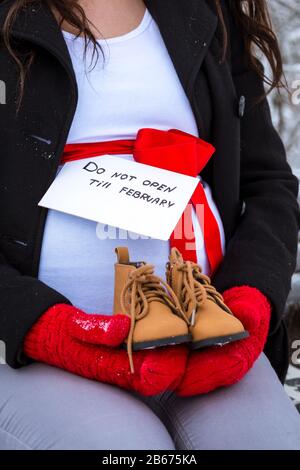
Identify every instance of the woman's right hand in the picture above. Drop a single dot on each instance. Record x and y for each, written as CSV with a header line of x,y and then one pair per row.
x,y
88,345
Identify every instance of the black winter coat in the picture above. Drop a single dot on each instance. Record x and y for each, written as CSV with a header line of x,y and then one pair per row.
x,y
251,181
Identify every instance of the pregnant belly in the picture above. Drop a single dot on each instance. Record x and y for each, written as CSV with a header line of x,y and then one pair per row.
x,y
78,256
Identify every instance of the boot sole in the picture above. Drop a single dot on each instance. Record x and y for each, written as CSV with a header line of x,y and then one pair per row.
x,y
218,340
159,343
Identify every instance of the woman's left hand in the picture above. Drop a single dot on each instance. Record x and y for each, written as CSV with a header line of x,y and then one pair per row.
x,y
215,367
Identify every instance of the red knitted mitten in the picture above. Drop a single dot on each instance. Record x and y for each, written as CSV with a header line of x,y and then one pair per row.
x,y
86,345
222,366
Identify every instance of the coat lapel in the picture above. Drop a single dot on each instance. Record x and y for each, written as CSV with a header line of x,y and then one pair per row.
x,y
37,24
187,28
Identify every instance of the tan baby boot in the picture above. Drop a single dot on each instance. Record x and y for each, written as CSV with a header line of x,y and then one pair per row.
x,y
211,321
156,315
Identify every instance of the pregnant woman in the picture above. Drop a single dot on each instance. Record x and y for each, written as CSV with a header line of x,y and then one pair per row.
x,y
83,76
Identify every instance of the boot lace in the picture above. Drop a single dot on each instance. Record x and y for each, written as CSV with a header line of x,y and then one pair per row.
x,y
197,288
142,288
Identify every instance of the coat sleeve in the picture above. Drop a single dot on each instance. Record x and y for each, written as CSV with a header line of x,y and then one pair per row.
x,y
262,251
23,299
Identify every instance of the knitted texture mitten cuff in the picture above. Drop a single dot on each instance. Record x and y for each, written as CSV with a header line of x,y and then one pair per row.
x,y
216,367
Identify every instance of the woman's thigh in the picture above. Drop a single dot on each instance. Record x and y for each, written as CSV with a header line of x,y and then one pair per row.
x,y
255,413
46,408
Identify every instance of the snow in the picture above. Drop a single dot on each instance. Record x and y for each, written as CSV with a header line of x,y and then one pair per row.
x,y
286,117
286,112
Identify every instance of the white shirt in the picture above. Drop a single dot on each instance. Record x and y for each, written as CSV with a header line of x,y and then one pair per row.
x,y
133,86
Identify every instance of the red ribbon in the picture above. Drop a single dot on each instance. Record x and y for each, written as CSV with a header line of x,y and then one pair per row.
x,y
172,150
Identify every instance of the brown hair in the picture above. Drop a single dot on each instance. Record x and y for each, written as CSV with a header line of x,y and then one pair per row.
x,y
251,16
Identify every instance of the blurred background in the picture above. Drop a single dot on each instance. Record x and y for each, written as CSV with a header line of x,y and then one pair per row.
x,y
286,118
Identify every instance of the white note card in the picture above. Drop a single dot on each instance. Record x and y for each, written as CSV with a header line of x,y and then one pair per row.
x,y
125,194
